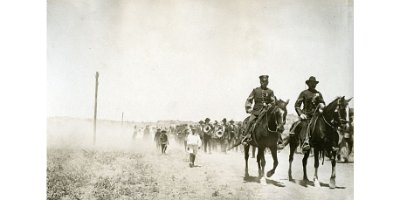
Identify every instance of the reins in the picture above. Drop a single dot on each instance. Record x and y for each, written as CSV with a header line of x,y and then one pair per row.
x,y
276,123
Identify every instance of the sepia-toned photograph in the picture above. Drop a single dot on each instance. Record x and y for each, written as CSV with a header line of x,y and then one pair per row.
x,y
189,99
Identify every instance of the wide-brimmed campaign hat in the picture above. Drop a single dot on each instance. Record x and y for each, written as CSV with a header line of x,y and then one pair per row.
x,y
312,79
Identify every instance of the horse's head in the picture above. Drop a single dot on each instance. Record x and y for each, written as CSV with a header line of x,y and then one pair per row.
x,y
278,114
338,112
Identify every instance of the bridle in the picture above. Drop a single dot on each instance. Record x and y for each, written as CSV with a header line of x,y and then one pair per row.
x,y
275,121
334,124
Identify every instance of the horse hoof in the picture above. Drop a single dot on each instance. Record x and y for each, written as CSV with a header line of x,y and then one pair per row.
x,y
316,183
291,178
246,176
270,173
332,184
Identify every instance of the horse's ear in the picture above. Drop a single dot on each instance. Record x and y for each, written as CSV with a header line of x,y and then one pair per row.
x,y
348,100
287,102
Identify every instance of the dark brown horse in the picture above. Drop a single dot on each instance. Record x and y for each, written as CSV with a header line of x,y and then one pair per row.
x,y
324,138
266,134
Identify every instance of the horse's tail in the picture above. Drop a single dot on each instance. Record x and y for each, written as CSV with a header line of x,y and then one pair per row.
x,y
235,145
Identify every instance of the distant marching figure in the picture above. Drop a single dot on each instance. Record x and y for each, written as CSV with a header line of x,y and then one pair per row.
x,y
135,130
163,141
157,138
225,138
233,131
146,133
207,132
193,144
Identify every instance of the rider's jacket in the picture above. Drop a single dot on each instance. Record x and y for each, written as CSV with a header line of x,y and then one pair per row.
x,y
260,97
310,100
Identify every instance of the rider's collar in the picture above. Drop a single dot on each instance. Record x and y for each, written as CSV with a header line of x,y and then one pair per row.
x,y
312,90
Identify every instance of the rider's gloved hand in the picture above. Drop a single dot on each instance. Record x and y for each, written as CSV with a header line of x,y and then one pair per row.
x,y
321,107
303,116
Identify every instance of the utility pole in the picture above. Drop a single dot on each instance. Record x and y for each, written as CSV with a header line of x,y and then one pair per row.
x,y
122,119
95,109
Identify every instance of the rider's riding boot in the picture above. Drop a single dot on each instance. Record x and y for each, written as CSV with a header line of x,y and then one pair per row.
x,y
247,137
306,144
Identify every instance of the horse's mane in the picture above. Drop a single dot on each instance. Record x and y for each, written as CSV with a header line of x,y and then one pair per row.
x,y
332,105
281,104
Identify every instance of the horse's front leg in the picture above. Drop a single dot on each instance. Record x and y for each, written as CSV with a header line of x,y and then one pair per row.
x,y
305,159
260,162
316,165
246,158
274,153
332,183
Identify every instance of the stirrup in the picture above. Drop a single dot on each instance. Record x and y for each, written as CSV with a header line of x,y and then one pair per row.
x,y
305,147
245,141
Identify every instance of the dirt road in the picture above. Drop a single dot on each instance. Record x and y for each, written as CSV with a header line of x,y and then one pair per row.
x,y
147,174
220,176
130,169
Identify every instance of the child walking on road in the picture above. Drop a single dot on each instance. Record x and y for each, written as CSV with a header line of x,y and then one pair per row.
x,y
193,144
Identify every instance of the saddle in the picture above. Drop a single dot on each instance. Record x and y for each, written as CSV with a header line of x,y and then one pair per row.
x,y
310,126
256,121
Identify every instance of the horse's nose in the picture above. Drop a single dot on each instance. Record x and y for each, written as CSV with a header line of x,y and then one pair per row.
x,y
281,128
346,126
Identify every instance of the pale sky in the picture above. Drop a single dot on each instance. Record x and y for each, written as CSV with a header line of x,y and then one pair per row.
x,y
191,59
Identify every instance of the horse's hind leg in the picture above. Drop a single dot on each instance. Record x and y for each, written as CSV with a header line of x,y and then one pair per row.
x,y
274,153
246,158
293,146
332,183
316,165
253,151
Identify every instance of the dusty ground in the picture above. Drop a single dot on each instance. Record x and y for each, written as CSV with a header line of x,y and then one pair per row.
x,y
136,170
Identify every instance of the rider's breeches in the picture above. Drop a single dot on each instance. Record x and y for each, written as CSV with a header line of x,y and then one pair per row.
x,y
304,128
250,123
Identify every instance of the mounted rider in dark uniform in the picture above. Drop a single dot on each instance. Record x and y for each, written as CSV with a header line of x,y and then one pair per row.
x,y
263,97
311,100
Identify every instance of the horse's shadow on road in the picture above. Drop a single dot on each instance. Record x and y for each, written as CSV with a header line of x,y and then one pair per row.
x,y
251,179
255,179
306,183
